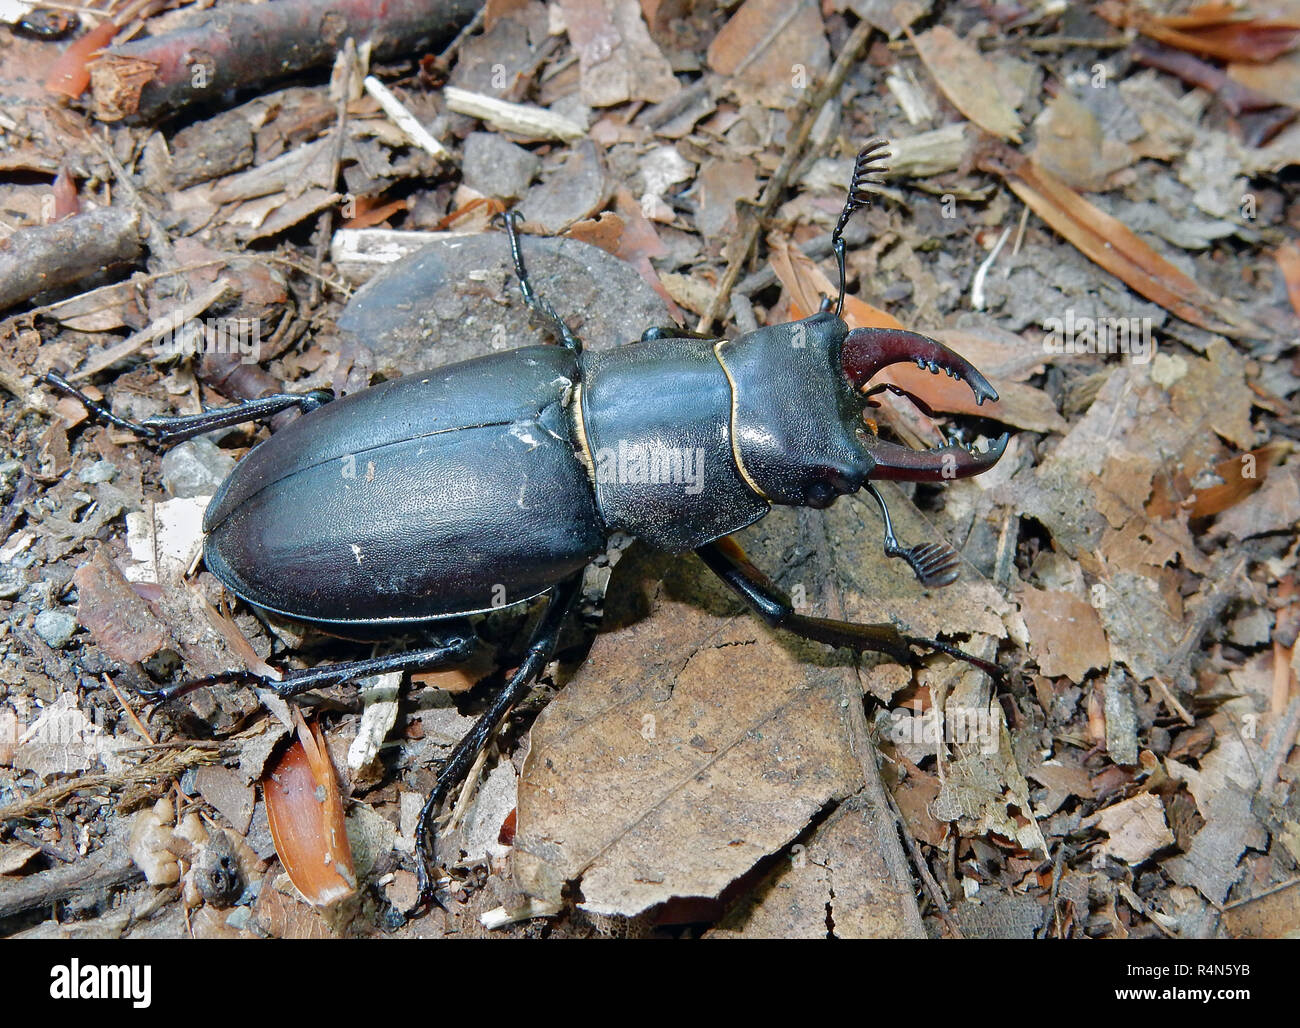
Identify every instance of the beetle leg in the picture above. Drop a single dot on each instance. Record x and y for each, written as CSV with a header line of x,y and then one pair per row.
x,y
187,426
728,561
934,564
451,650
538,304
541,646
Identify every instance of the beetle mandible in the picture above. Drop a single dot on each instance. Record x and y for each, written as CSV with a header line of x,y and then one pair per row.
x,y
486,484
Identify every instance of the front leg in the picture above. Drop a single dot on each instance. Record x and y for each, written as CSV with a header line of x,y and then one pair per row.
x,y
728,561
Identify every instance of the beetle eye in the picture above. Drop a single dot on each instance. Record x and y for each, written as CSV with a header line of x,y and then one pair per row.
x,y
820,494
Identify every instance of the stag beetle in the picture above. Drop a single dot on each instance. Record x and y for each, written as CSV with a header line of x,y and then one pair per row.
x,y
492,481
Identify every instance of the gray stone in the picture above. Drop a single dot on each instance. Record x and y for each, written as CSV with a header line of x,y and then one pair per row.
x,y
55,627
497,167
196,467
12,581
100,471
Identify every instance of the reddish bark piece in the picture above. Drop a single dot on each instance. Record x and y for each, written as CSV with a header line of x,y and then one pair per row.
x,y
1288,260
245,44
1212,29
111,610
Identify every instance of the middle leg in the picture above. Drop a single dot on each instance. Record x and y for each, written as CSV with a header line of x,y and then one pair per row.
x,y
541,647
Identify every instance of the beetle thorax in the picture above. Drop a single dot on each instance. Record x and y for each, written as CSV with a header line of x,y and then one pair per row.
x,y
795,418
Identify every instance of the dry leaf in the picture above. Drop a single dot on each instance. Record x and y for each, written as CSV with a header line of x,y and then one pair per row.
x,y
1109,243
835,885
967,80
771,51
617,59
694,741
1065,635
1137,828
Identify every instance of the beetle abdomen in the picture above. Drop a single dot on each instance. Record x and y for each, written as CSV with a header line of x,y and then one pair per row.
x,y
439,494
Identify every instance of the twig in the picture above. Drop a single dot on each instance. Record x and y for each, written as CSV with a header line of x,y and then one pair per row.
x,y
776,184
1292,883
160,244
108,866
45,256
51,796
1172,701
453,48
325,223
139,340
521,119
241,45
467,790
130,712
404,119
977,300
1279,745
932,887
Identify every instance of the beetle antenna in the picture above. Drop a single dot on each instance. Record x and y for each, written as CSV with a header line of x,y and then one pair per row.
x,y
871,162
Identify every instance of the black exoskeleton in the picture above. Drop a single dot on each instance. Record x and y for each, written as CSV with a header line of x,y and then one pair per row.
x,y
490,482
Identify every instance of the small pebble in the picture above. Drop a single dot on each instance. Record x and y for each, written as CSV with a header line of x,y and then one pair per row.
x,y
497,167
55,627
100,471
196,467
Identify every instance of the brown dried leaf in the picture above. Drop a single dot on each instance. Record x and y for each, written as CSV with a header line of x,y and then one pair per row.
x,y
617,59
771,51
1071,144
114,613
984,785
694,741
574,192
686,749
832,886
1065,635
719,185
967,80
1137,828
228,792
1274,508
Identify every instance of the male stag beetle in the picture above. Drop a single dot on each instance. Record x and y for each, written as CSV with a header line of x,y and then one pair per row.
x,y
483,476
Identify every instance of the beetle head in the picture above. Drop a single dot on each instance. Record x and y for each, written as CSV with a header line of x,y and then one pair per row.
x,y
864,353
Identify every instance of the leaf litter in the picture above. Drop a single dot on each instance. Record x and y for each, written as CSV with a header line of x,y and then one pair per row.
x,y
1131,562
